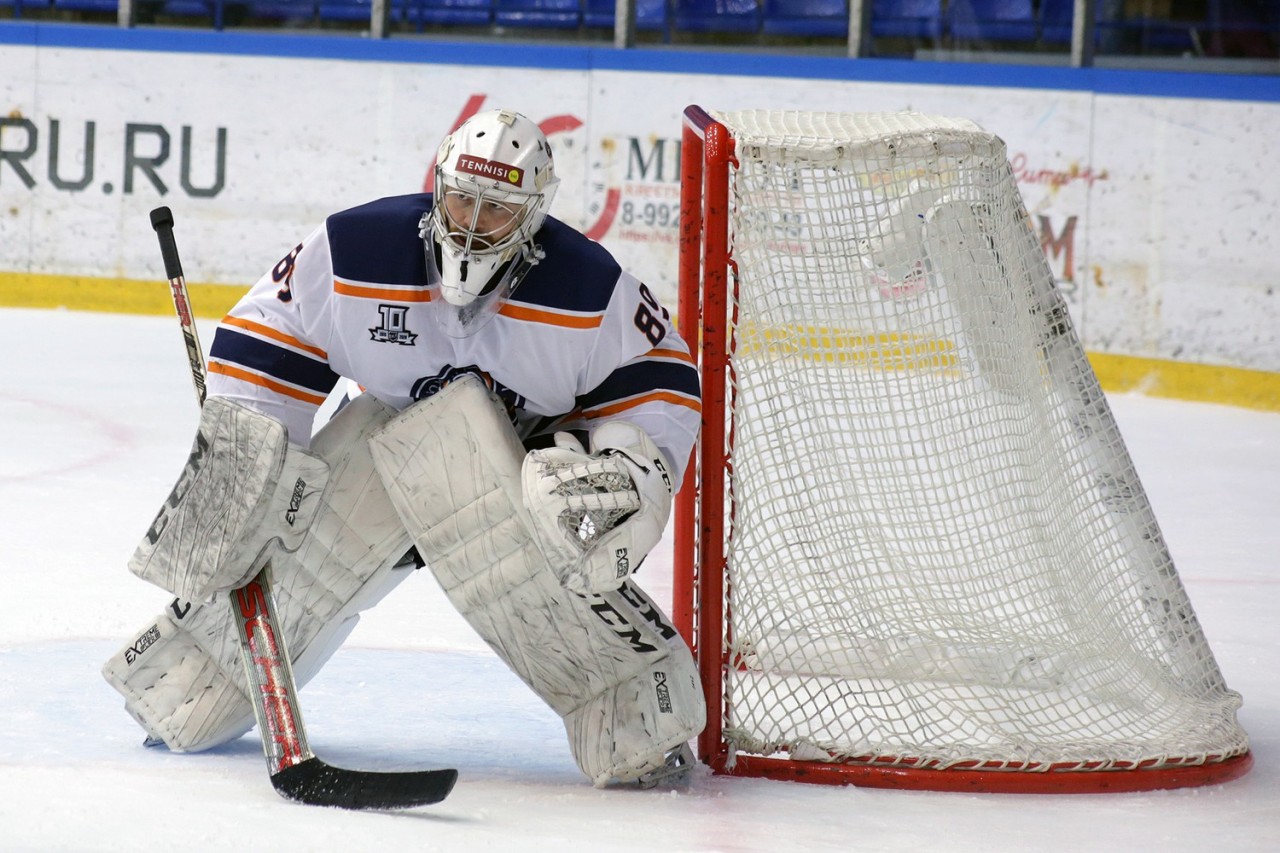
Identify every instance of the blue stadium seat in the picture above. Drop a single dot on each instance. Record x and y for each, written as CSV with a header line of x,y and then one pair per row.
x,y
555,14
992,20
469,13
348,10
806,18
1244,28
21,7
229,12
105,6
282,10
1148,35
717,16
913,19
188,8
650,14
1252,15
1131,34
1055,20
1177,36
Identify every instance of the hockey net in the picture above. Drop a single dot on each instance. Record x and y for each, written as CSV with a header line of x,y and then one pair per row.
x,y
913,550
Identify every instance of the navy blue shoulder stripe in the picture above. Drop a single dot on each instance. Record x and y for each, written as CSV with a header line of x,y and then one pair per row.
x,y
378,242
234,347
642,377
577,274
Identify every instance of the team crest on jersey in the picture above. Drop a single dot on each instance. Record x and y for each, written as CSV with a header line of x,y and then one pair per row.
x,y
393,329
428,386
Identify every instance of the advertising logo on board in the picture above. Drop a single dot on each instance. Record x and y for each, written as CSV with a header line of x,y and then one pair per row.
x,y
68,157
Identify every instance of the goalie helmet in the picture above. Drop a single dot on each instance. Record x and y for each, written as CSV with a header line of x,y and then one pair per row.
x,y
494,182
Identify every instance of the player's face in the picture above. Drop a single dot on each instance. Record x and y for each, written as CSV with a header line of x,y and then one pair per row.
x,y
487,220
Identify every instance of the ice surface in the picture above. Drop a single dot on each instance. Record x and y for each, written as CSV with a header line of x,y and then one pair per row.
x,y
96,418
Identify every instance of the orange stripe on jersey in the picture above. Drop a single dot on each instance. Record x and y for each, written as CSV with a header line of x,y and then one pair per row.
x,y
274,334
655,397
673,354
551,318
257,379
364,291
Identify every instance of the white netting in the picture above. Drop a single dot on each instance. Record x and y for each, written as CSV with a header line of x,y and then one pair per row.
x,y
940,552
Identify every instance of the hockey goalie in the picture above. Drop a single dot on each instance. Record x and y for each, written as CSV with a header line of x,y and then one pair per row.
x,y
526,410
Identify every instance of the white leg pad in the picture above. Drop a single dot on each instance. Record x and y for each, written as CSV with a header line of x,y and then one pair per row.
x,y
176,684
610,665
183,679
628,729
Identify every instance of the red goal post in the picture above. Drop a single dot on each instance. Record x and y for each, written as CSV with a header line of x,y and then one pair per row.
x,y
938,592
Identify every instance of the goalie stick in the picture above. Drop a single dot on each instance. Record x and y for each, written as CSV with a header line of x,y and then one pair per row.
x,y
296,773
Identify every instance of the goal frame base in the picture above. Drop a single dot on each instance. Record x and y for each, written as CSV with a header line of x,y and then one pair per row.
x,y
981,781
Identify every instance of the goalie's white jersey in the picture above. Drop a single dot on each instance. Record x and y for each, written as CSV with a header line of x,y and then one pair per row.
x,y
578,343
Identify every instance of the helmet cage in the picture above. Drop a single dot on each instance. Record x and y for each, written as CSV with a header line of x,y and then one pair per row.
x,y
463,317
479,220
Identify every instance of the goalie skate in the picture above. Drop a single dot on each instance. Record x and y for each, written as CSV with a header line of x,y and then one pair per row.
x,y
674,772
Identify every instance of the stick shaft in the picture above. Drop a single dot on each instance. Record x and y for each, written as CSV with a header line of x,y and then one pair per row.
x,y
162,221
273,691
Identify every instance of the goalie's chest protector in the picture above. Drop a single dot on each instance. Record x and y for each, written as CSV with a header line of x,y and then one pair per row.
x,y
536,353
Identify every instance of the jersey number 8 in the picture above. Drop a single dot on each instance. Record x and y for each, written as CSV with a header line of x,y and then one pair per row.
x,y
649,324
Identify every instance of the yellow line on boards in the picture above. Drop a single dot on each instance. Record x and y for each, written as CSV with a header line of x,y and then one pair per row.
x,y
1233,386
115,295
1184,380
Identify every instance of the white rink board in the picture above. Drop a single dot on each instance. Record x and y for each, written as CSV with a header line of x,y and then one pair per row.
x,y
1156,212
305,138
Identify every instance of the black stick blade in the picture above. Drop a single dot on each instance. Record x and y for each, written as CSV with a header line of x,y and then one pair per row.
x,y
314,783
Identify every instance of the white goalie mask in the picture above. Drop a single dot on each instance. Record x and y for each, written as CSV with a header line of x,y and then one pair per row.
x,y
494,182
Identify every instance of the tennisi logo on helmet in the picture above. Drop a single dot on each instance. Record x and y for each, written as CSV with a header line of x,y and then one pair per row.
x,y
489,169
563,123
550,127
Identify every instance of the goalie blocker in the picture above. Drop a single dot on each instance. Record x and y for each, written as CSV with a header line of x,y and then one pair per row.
x,y
182,677
244,496
446,475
